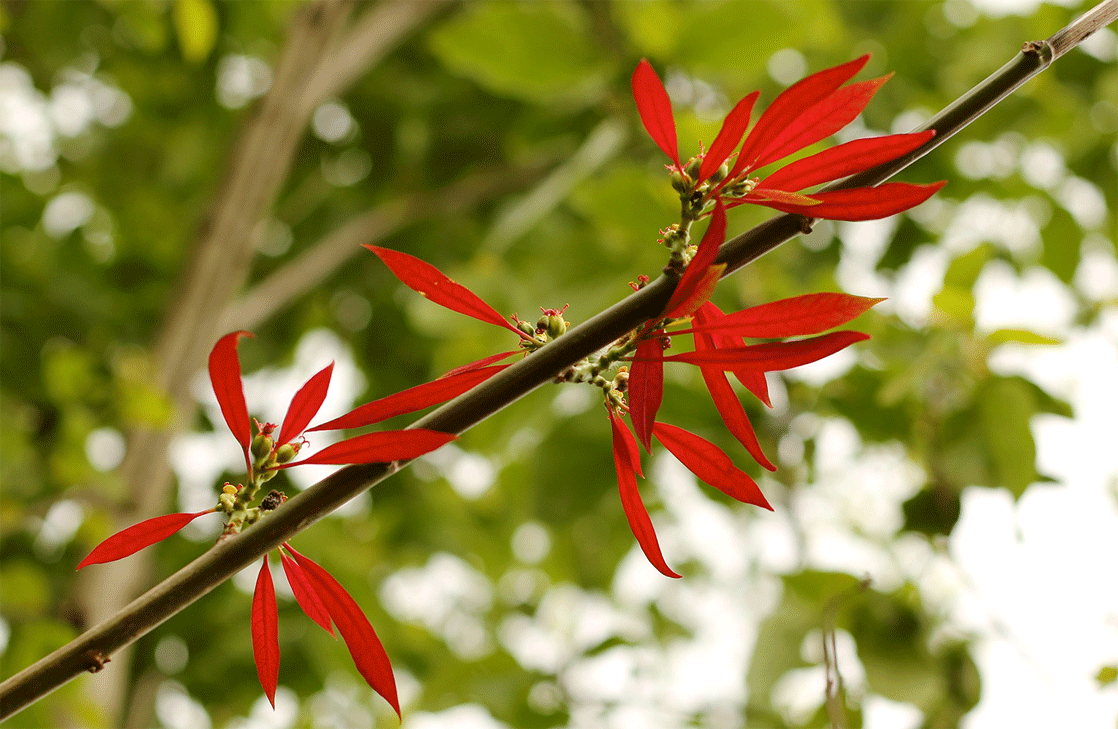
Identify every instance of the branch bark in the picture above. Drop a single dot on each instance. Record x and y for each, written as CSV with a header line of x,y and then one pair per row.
x,y
225,559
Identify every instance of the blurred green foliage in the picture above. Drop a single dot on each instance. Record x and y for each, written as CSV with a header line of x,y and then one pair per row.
x,y
101,212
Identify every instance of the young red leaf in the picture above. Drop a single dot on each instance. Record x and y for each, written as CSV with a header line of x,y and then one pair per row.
x,y
784,110
305,405
696,272
655,109
752,380
843,160
729,406
646,388
430,282
862,203
225,376
136,537
700,293
822,119
632,450
412,399
265,632
765,195
383,447
305,593
364,646
773,355
733,129
635,511
794,317
711,464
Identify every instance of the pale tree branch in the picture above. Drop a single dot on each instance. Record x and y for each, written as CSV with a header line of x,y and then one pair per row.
x,y
233,554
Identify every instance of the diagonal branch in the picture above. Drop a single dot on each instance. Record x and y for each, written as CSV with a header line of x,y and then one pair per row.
x,y
225,559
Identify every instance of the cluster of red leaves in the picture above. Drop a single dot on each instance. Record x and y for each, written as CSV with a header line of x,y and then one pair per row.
x,y
807,112
719,348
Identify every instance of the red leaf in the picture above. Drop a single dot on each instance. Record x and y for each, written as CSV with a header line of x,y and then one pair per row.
x,y
711,464
861,203
822,119
794,317
305,405
696,271
265,632
700,293
655,109
646,388
733,128
483,362
364,645
305,593
632,451
635,512
781,196
225,376
843,160
773,355
784,110
729,406
430,282
412,399
136,537
752,380
383,447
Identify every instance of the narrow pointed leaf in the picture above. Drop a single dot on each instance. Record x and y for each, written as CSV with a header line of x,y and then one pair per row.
x,y
265,632
788,106
305,593
364,646
774,355
483,362
729,136
861,203
822,119
765,195
711,464
655,109
632,450
136,537
635,511
843,160
646,388
305,405
383,447
430,282
794,317
225,376
412,399
705,255
700,292
752,380
729,406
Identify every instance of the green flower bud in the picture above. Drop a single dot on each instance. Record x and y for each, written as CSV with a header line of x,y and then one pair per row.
x,y
261,446
287,451
681,183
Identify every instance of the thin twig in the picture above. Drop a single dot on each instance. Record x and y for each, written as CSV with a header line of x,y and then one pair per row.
x,y
226,559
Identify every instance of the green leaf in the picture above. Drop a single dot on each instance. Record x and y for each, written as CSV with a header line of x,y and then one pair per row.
x,y
196,27
1021,336
534,51
1005,408
964,270
958,303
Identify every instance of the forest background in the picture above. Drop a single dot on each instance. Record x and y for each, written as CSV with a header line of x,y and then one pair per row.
x,y
962,460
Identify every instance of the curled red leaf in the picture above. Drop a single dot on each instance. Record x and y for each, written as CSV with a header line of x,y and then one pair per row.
x,y
305,593
794,317
412,399
635,511
430,282
225,376
383,447
265,632
655,109
364,646
131,540
711,464
646,388
305,405
695,277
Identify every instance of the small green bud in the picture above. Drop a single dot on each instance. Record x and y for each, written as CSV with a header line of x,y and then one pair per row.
x,y
261,446
694,166
681,183
286,452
